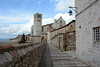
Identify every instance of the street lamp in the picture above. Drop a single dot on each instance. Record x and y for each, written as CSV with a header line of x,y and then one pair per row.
x,y
70,12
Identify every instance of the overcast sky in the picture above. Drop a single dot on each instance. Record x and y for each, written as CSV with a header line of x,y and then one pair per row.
x,y
16,16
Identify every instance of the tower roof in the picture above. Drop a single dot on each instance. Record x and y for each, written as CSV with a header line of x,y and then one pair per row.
x,y
37,13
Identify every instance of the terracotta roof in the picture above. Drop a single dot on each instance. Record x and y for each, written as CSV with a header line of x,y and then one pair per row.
x,y
20,52
14,54
8,56
3,58
5,46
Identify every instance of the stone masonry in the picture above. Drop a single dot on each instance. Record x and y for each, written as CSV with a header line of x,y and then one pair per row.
x,y
87,18
20,55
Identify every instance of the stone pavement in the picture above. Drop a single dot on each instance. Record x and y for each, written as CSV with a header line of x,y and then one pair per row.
x,y
64,59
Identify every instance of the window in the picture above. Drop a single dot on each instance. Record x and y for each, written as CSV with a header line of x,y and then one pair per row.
x,y
96,34
38,16
39,20
60,21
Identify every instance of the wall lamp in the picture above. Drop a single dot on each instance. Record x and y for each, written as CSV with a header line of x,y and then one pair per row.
x,y
70,12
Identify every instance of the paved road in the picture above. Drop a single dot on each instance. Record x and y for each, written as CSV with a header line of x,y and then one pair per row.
x,y
53,57
64,59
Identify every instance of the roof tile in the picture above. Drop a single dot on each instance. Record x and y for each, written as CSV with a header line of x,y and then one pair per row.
x,y
1,62
23,51
8,56
14,54
30,48
19,52
3,58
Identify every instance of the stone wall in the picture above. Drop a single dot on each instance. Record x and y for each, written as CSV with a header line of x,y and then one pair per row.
x,y
88,17
70,40
65,41
35,39
54,41
57,35
21,55
16,40
62,29
47,28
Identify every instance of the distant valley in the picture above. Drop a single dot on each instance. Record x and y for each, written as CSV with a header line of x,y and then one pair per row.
x,y
3,41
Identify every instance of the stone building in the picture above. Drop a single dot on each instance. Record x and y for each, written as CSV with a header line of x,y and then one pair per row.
x,y
70,39
57,36
16,40
36,31
88,31
47,28
53,26
59,23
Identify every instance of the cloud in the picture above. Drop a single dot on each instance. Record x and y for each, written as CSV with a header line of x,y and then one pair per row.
x,y
62,5
13,19
26,28
65,16
47,21
12,30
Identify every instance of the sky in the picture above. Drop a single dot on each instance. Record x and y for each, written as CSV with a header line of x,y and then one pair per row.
x,y
16,16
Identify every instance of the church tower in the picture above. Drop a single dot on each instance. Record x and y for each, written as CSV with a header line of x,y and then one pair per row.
x,y
37,24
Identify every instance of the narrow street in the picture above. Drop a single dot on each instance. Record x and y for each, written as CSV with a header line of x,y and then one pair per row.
x,y
53,57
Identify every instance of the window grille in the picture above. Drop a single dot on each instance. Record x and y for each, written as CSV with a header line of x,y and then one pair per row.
x,y
97,34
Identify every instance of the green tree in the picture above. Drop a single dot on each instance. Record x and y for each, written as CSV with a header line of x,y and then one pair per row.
x,y
23,40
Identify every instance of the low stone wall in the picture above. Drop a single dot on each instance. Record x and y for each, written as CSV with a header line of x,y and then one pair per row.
x,y
54,41
36,39
21,55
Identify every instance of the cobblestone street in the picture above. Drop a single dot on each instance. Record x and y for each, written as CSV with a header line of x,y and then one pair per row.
x,y
64,59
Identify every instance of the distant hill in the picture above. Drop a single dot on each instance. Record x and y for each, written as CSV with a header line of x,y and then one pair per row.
x,y
3,41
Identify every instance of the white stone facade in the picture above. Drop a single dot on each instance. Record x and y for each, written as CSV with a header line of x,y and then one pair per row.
x,y
59,23
37,24
87,18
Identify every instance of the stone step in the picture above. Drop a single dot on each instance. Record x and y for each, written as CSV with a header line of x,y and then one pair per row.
x,y
64,59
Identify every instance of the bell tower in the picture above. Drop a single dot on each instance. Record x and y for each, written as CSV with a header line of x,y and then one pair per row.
x,y
37,24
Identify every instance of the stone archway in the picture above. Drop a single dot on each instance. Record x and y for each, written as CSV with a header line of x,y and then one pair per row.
x,y
43,39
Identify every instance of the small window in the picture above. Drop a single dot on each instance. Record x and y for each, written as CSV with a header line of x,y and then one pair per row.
x,y
38,16
96,34
39,20
60,21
